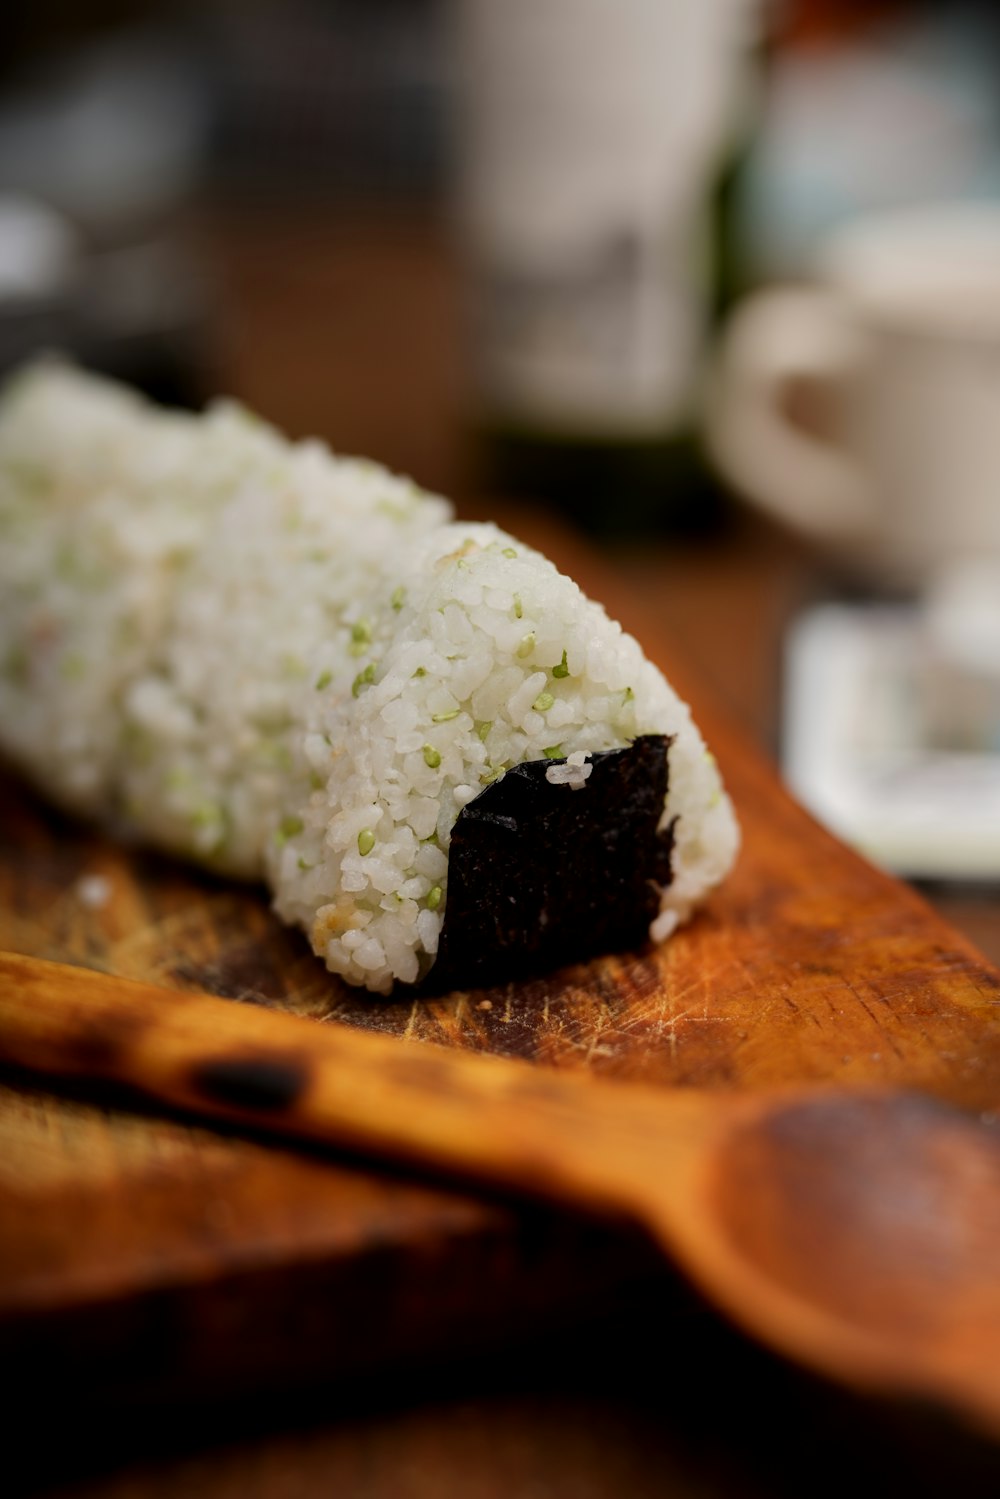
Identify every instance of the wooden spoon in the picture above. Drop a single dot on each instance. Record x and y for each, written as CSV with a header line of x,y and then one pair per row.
x,y
856,1232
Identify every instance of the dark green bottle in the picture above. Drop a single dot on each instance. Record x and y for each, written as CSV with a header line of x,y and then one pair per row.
x,y
608,486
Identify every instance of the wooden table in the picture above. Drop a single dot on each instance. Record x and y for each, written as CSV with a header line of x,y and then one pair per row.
x,y
595,1372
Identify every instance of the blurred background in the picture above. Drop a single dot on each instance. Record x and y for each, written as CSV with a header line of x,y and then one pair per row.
x,y
517,251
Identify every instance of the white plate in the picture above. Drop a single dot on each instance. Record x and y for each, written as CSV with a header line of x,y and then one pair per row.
x,y
866,744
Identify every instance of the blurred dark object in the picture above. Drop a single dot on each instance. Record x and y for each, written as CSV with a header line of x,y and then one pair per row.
x,y
137,311
119,119
328,98
110,132
612,488
144,318
103,121
38,262
39,31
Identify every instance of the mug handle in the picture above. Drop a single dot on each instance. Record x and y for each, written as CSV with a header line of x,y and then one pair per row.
x,y
775,340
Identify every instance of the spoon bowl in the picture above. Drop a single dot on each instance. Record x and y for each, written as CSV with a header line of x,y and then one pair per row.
x,y
861,1230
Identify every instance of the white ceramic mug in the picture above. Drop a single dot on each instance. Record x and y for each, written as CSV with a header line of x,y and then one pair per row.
x,y
899,339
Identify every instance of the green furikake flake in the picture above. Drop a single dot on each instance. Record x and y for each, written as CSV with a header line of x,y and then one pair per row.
x,y
366,841
518,606
543,702
508,552
434,895
210,817
421,671
444,717
527,645
72,666
29,477
553,752
628,695
482,729
16,665
398,597
363,679
287,828
361,637
432,758
323,680
562,670
279,755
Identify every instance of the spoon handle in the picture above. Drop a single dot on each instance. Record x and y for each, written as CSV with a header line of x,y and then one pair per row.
x,y
481,1118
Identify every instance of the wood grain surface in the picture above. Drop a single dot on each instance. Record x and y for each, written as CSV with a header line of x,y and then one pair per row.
x,y
151,1251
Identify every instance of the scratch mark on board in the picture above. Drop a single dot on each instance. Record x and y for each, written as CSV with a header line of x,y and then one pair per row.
x,y
411,1022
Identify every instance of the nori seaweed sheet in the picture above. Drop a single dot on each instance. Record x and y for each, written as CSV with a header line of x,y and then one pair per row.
x,y
541,875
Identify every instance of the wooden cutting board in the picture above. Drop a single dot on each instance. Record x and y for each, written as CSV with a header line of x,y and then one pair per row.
x,y
148,1255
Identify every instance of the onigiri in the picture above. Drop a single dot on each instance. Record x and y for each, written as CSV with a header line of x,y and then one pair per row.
x,y
299,667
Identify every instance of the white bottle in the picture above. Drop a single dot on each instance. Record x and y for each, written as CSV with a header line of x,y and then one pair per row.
x,y
590,133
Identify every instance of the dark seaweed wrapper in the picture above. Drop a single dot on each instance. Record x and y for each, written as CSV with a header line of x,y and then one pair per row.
x,y
540,875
